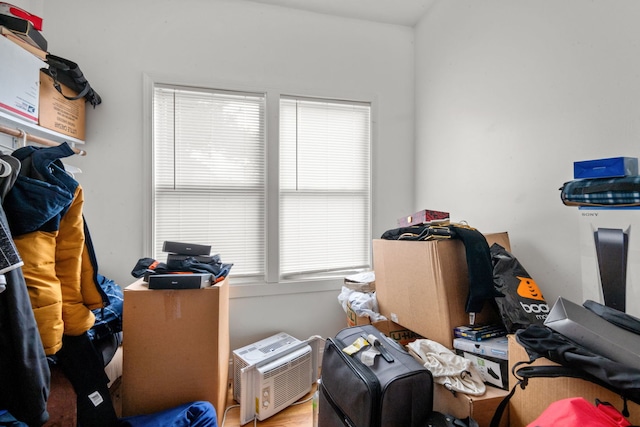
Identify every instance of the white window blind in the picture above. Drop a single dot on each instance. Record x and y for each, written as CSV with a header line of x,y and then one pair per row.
x,y
324,186
209,173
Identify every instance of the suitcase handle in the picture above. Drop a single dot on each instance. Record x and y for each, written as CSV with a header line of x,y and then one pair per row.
x,y
375,342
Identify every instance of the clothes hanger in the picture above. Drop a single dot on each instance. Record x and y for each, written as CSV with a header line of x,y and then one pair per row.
x,y
6,169
24,135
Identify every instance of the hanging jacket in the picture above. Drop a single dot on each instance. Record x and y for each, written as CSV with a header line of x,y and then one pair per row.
x,y
24,370
44,209
42,192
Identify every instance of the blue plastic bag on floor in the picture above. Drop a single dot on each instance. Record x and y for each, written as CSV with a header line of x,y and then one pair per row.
x,y
194,414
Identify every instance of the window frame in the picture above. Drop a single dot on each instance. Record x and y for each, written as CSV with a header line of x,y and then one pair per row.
x,y
252,287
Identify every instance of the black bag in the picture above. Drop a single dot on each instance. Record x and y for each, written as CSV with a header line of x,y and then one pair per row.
x,y
574,361
69,74
620,319
396,391
523,303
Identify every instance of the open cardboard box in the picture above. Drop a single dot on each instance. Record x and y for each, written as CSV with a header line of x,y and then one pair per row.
x,y
526,405
396,332
423,286
480,408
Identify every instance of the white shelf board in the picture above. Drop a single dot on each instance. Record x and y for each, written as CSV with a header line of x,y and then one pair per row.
x,y
12,121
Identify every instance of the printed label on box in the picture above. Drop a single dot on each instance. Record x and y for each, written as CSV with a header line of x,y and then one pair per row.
x,y
493,371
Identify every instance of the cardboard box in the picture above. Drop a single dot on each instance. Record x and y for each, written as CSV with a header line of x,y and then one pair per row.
x,y
396,332
353,319
20,77
423,286
526,405
480,408
493,371
606,168
57,112
611,275
176,348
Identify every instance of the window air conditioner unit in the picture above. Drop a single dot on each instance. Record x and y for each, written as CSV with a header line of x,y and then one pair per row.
x,y
271,374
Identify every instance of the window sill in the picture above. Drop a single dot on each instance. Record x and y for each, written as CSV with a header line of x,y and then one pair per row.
x,y
260,289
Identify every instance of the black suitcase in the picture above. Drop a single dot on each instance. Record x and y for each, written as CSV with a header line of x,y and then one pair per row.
x,y
396,391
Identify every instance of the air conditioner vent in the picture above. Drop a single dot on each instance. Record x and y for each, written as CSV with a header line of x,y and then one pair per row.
x,y
292,383
273,373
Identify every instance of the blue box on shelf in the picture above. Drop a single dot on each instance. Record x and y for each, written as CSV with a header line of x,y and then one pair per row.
x,y
606,168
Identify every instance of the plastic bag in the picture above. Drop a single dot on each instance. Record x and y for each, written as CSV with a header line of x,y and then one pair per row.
x,y
523,304
362,303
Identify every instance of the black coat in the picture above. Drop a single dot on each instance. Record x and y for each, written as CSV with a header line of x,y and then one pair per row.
x,y
24,369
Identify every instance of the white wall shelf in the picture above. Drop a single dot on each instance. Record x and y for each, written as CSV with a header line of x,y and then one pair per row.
x,y
31,128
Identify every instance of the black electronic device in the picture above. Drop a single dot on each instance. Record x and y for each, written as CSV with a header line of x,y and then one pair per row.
x,y
186,248
179,281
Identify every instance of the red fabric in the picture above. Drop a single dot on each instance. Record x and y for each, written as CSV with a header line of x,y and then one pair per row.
x,y
578,412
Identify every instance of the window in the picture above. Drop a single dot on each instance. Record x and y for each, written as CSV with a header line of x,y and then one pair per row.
x,y
324,186
210,170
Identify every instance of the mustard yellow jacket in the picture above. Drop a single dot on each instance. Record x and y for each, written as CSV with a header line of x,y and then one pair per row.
x,y
59,271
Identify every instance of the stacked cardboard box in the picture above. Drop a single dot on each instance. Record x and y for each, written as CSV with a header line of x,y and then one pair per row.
x,y
423,286
176,348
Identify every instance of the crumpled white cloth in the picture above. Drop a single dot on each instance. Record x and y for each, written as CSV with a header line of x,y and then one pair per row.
x,y
362,303
454,372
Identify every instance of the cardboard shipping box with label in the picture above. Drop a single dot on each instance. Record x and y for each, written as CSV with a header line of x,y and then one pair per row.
x,y
19,74
423,285
58,113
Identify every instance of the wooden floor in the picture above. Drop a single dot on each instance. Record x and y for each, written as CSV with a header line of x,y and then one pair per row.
x,y
297,415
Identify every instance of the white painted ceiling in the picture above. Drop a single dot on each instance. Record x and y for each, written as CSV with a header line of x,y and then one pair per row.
x,y
399,12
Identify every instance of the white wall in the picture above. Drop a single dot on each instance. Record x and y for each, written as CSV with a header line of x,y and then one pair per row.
x,y
509,95
244,44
